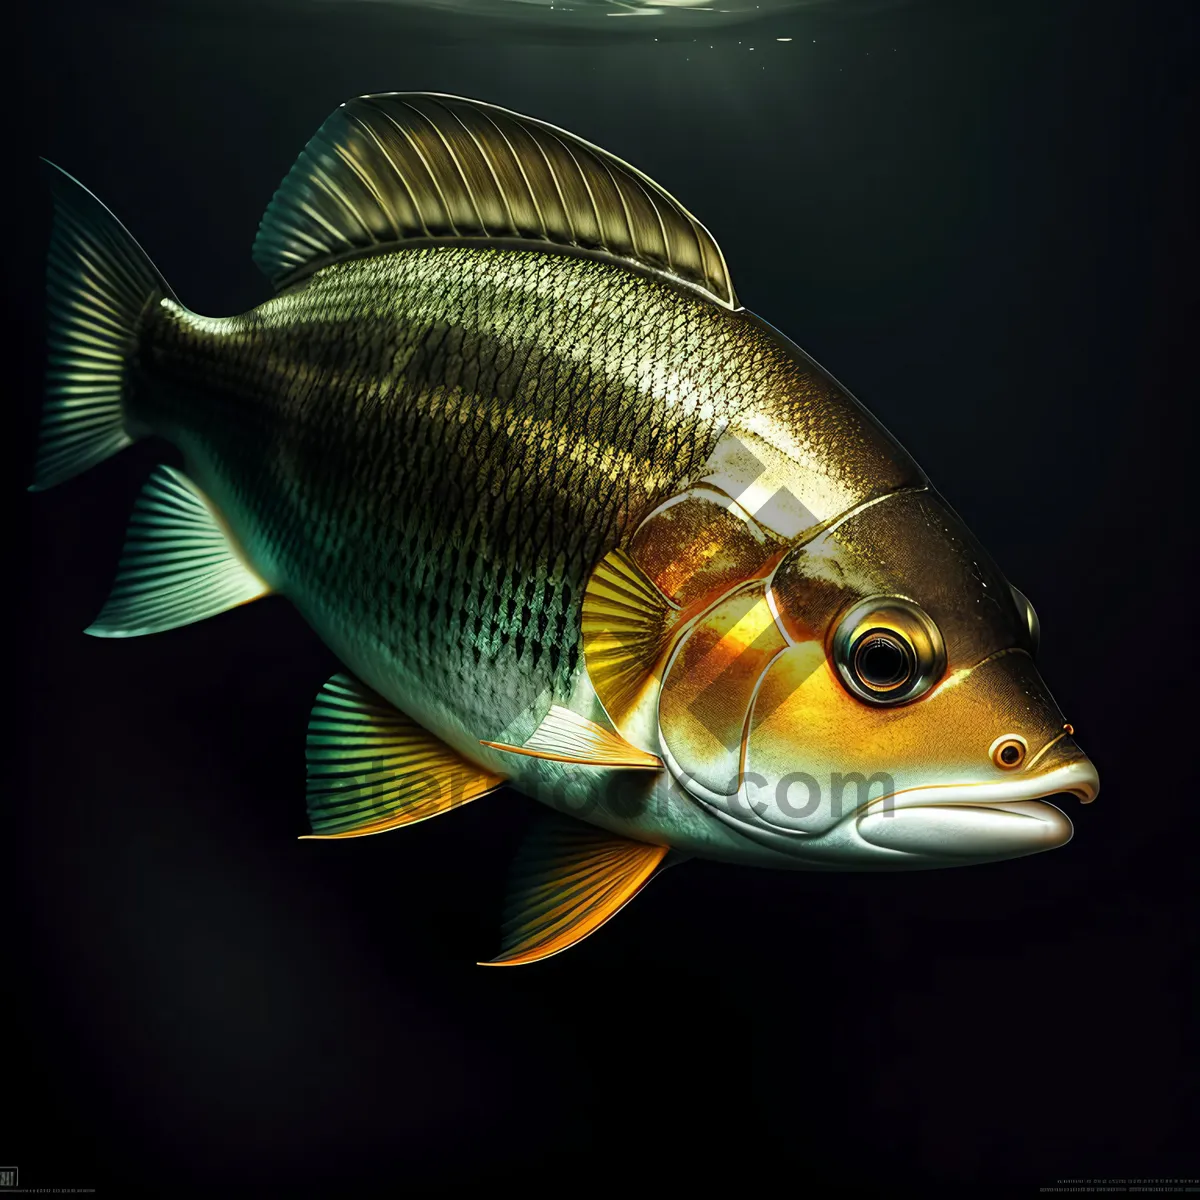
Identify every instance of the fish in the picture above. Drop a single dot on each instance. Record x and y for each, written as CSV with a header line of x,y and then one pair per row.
x,y
570,517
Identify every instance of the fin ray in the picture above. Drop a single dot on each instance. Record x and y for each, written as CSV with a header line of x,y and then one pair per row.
x,y
569,879
371,768
391,169
178,565
98,283
565,736
627,623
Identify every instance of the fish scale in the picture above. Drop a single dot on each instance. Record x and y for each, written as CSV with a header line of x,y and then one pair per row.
x,y
490,470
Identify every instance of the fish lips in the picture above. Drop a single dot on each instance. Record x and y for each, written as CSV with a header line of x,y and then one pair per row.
x,y
980,821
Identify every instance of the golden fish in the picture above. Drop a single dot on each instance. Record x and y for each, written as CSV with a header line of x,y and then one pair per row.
x,y
570,516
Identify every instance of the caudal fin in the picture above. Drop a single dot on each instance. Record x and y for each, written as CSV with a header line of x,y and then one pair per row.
x,y
99,283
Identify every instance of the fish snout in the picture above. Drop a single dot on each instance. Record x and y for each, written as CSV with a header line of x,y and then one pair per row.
x,y
1065,764
985,821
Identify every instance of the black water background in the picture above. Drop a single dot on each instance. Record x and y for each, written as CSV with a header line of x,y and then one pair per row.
x,y
981,218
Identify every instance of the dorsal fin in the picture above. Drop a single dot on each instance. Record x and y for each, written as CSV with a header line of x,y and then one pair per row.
x,y
400,168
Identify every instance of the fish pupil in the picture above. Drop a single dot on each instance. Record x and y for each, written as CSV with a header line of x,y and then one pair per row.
x,y
1009,755
882,662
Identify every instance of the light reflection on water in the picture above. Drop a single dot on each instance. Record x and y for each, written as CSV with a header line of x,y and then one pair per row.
x,y
565,14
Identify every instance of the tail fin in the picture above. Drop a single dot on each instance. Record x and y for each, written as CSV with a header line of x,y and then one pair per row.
x,y
99,282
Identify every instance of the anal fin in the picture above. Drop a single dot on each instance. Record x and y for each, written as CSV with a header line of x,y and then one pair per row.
x,y
569,878
178,565
371,768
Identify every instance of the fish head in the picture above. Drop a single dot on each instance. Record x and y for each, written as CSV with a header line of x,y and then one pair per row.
x,y
875,702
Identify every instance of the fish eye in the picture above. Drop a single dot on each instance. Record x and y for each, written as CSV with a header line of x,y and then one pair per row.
x,y
887,651
1033,627
1009,752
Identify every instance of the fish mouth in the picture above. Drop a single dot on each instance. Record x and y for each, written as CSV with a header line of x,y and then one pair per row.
x,y
979,821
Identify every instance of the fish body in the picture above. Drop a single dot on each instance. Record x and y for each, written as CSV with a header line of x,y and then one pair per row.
x,y
431,472
570,516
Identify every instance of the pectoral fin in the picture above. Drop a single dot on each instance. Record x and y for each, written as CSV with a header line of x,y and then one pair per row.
x,y
371,768
627,625
565,736
568,879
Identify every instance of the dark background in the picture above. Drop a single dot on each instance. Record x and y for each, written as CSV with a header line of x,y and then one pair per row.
x,y
981,217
